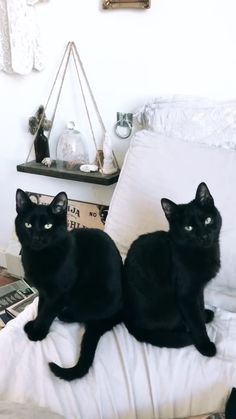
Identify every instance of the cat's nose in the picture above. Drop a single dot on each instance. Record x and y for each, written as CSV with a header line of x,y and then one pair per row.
x,y
204,237
36,238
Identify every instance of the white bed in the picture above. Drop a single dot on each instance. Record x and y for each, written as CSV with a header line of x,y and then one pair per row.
x,y
129,379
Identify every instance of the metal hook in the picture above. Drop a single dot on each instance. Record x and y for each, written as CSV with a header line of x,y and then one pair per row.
x,y
124,120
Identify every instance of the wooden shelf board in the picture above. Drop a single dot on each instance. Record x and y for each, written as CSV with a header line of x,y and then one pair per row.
x,y
62,173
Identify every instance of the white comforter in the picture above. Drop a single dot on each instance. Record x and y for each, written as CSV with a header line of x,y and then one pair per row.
x,y
128,379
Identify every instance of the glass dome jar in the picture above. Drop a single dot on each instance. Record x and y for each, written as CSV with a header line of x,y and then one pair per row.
x,y
71,148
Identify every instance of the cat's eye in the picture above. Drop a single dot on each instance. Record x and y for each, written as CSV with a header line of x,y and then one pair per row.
x,y
28,225
188,228
48,226
208,220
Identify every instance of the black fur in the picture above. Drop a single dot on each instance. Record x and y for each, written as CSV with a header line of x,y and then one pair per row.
x,y
230,408
165,274
77,274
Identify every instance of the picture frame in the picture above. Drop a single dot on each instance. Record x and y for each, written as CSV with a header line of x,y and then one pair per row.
x,y
126,4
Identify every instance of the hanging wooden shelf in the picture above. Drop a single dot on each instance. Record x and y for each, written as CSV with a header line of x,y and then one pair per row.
x,y
54,171
105,158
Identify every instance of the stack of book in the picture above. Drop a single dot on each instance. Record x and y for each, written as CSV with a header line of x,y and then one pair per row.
x,y
14,297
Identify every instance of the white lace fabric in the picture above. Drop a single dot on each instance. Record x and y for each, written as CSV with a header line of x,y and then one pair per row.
x,y
20,50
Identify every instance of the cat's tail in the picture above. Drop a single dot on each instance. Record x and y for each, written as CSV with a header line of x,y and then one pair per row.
x,y
92,334
161,338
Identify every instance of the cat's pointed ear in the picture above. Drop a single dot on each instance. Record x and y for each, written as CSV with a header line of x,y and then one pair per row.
x,y
203,195
23,202
59,203
168,207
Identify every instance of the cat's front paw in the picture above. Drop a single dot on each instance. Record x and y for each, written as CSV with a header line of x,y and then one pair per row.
x,y
207,348
209,315
33,332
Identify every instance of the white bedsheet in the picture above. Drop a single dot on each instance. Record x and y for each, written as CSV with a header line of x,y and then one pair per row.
x,y
128,379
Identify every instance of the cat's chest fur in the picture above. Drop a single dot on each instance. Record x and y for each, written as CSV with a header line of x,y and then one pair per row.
x,y
195,267
52,270
199,260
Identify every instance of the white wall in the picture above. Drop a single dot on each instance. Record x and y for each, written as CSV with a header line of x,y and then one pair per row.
x,y
177,46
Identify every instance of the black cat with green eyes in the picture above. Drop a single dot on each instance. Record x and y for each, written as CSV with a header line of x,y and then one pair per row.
x,y
77,273
165,274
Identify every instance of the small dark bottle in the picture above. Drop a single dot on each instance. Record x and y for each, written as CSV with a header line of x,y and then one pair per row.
x,y
41,146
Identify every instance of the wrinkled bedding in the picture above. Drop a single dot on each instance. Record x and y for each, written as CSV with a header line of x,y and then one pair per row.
x,y
128,379
12,410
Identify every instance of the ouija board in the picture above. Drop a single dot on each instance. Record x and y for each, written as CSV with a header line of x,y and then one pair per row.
x,y
79,214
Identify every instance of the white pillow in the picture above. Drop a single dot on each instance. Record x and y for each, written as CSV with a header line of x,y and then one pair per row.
x,y
157,167
191,119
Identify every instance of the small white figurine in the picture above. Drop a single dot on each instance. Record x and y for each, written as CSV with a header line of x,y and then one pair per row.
x,y
109,165
47,161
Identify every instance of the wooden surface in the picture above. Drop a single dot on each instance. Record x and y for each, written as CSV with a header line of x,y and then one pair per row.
x,y
5,281
5,277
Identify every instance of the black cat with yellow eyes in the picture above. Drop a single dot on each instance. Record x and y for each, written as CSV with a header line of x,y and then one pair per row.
x,y
78,275
165,274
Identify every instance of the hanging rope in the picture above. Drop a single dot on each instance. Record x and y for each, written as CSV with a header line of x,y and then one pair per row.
x,y
87,112
71,50
93,98
47,102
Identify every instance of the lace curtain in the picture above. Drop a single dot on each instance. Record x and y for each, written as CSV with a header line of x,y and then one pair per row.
x,y
20,50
